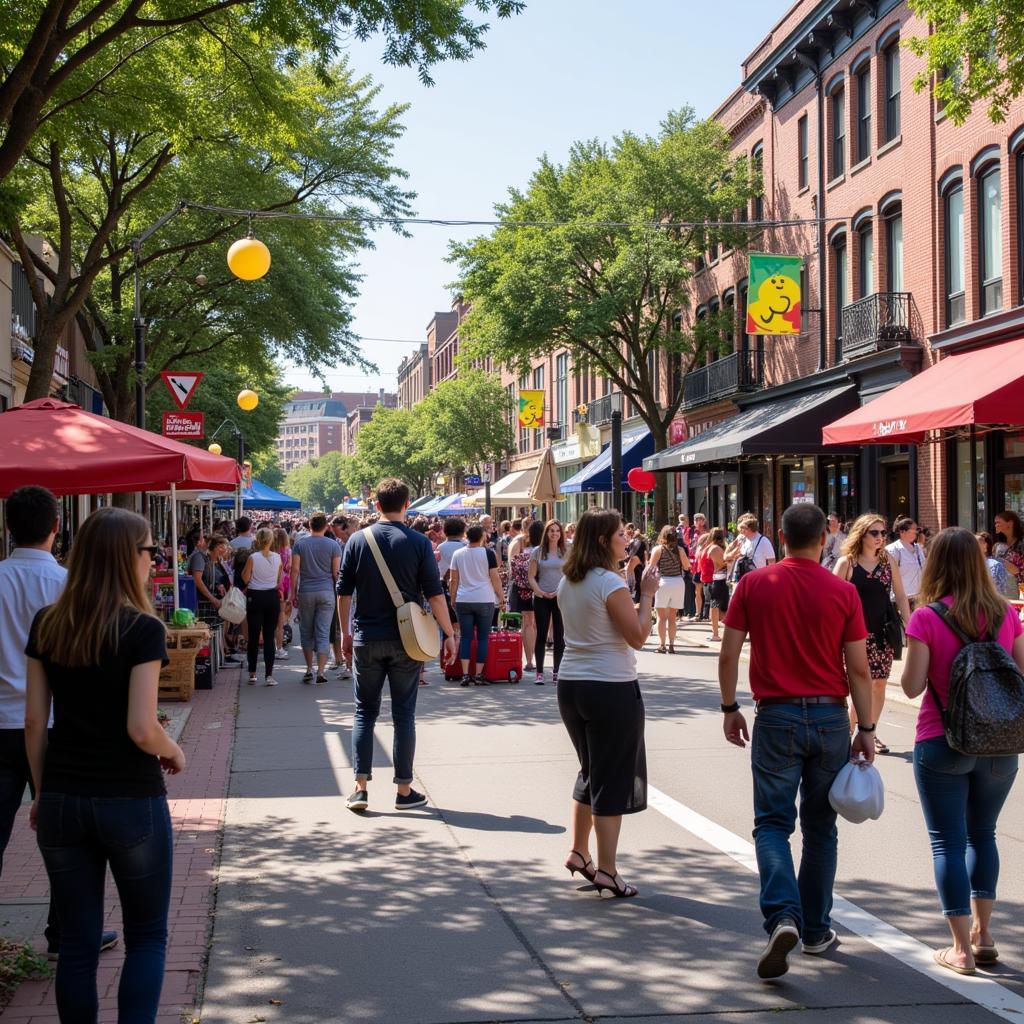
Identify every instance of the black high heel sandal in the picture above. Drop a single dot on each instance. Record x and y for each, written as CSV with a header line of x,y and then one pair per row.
x,y
626,891
574,870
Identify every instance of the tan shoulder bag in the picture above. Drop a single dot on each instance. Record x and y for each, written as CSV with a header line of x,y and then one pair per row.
x,y
418,629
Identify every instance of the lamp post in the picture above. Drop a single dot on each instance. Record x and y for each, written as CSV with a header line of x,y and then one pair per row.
x,y
616,404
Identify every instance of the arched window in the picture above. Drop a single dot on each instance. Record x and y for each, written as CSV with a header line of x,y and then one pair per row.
x,y
891,56
953,223
757,162
866,254
840,293
990,238
837,130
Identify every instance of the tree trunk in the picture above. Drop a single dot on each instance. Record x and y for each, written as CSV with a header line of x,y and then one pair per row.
x,y
45,349
661,489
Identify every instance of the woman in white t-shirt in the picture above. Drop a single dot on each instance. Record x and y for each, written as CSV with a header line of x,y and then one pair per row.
x,y
475,588
598,695
262,576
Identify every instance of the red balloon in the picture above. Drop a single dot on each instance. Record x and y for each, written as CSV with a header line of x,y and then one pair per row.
x,y
641,480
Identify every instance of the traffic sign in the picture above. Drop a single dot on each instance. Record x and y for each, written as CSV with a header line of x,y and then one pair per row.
x,y
184,426
182,386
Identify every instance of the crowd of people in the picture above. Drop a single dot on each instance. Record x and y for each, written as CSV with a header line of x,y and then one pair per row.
x,y
825,615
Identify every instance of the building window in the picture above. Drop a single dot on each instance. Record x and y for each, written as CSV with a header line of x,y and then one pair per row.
x,y
839,249
955,307
894,250
990,240
716,349
801,144
562,391
757,160
867,261
838,105
864,112
892,91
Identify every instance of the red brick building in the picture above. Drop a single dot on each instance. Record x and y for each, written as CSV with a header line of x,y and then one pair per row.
x,y
911,230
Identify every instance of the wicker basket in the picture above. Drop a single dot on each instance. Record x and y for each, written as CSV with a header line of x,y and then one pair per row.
x,y
190,639
178,679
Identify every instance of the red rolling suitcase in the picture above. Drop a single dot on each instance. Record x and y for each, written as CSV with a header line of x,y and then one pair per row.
x,y
504,663
453,669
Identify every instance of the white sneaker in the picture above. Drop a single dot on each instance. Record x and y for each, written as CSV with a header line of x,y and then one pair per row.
x,y
344,673
270,681
281,653
252,678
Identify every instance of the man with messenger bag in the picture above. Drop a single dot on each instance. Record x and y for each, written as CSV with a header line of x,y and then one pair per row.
x,y
391,570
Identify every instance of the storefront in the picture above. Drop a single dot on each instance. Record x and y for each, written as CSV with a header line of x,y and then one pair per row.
x,y
593,483
568,462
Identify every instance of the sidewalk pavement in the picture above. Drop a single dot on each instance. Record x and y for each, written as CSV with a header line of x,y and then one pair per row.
x,y
197,801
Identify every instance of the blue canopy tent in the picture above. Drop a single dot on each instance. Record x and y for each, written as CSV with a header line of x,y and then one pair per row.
x,y
420,503
428,508
450,506
259,495
463,505
596,475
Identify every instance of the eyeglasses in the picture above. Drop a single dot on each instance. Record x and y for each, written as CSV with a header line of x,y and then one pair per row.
x,y
876,533
153,549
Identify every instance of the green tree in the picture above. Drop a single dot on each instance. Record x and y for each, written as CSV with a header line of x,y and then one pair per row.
x,y
315,148
975,52
607,281
466,421
392,444
319,483
56,55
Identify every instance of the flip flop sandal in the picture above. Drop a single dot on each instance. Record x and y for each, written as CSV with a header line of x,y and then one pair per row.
x,y
939,956
985,954
880,747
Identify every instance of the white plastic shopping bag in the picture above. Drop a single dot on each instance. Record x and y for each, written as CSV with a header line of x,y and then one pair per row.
x,y
232,608
858,792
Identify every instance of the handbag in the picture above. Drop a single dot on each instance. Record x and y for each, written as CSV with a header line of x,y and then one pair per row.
x,y
892,630
985,713
857,792
417,627
232,607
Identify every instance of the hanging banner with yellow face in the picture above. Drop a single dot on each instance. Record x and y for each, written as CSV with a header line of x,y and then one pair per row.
x,y
773,299
531,408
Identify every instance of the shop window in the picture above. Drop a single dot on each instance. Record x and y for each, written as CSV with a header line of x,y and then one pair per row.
x,y
864,112
990,240
892,91
801,137
1013,446
837,104
970,485
956,311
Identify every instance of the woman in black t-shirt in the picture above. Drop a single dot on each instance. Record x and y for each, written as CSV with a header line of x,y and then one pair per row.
x,y
100,799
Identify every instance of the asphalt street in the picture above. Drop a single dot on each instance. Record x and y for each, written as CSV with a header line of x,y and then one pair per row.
x,y
463,912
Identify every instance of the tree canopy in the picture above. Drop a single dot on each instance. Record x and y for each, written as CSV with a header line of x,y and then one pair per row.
x,y
319,483
58,54
975,51
607,281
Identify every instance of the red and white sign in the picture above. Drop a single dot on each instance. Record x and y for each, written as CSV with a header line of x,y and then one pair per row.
x,y
184,426
182,386
677,430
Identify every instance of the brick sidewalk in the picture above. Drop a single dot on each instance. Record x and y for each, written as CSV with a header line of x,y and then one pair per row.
x,y
197,801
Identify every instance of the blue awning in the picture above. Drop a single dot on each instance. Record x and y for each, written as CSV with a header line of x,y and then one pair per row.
x,y
260,496
596,475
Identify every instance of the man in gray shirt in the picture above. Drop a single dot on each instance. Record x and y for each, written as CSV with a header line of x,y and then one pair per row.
x,y
314,571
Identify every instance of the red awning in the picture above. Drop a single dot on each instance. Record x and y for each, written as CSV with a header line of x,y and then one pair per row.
x,y
984,387
70,451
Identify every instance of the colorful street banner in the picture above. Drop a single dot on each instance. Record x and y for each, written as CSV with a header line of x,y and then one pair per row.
x,y
589,440
531,408
773,298
184,426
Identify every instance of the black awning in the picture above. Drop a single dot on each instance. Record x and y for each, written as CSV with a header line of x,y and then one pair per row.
x,y
786,426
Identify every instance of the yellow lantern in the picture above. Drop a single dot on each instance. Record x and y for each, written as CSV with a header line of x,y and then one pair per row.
x,y
248,400
249,259
214,449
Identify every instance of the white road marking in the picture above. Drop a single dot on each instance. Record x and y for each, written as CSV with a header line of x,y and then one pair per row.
x,y
983,991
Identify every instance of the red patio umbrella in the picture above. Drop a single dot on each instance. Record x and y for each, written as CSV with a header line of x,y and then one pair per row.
x,y
69,451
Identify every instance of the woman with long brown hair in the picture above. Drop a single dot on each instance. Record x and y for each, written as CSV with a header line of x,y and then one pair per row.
x,y
598,694
669,560
100,798
961,796
865,563
716,593
545,573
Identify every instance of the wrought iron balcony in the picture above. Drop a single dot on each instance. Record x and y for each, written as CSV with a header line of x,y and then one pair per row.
x,y
880,321
734,374
599,411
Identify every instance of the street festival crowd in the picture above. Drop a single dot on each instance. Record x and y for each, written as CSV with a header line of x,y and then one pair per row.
x,y
825,614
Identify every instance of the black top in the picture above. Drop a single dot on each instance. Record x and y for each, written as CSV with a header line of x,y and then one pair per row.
x,y
409,556
873,589
90,752
638,546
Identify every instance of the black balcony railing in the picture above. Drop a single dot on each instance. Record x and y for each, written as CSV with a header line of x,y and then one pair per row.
x,y
732,375
599,411
880,321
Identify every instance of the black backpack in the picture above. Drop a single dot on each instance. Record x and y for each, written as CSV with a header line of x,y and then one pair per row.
x,y
746,563
985,713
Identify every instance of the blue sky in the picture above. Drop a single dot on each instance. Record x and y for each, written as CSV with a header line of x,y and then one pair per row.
x,y
563,70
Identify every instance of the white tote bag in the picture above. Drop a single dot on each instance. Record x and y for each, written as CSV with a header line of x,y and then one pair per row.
x,y
858,792
232,607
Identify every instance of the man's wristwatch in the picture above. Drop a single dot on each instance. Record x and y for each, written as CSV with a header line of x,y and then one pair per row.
x,y
867,728
728,709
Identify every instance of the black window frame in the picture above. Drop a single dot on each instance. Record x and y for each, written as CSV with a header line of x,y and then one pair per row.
x,y
863,77
892,214
837,99
866,243
989,286
803,179
757,161
953,299
893,113
839,246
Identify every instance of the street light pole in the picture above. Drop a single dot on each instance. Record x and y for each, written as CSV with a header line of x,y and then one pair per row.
x,y
617,451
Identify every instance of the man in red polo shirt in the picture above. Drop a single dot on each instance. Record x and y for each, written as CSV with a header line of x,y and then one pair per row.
x,y
807,655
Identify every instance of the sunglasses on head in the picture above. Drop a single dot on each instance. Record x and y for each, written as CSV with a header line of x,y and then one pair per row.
x,y
876,533
153,549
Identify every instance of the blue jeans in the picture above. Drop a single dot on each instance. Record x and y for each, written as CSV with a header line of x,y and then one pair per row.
x,y
373,663
315,613
797,749
476,615
78,836
961,797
